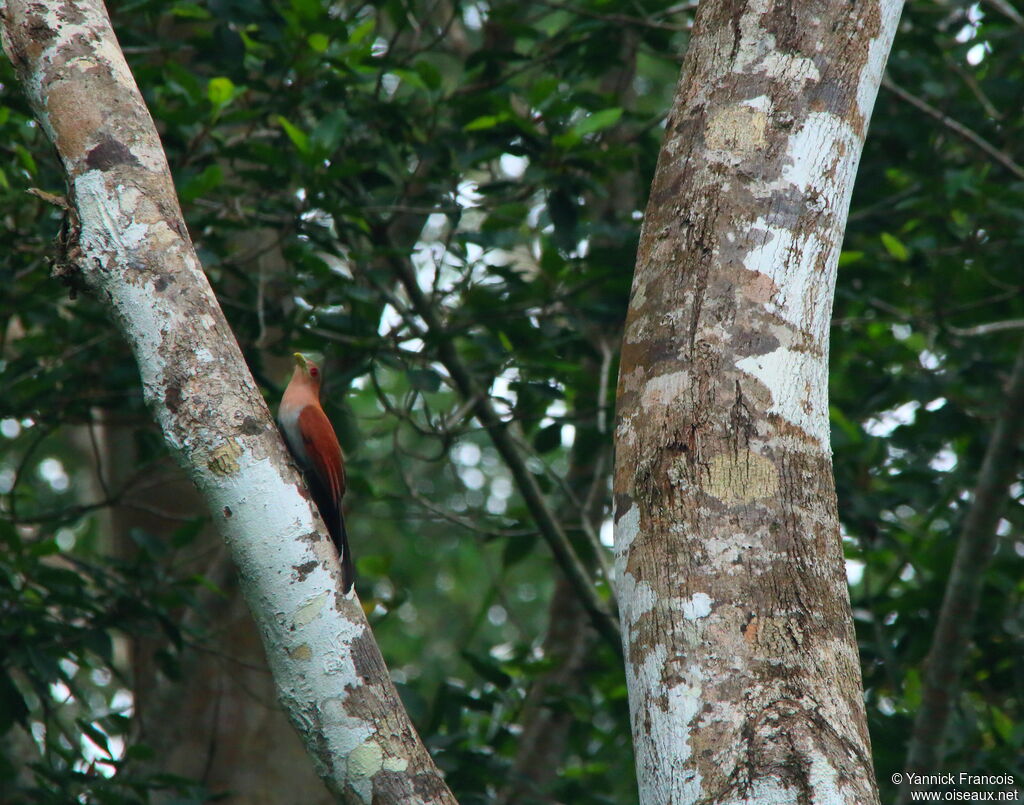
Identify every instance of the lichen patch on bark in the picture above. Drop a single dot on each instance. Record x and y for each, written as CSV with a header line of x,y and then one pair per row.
x,y
302,653
224,459
723,481
738,131
136,256
741,477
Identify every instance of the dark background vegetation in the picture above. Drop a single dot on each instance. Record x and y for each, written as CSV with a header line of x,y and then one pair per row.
x,y
500,153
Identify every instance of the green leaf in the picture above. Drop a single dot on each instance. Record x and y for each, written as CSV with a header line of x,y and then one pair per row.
x,y
846,258
318,42
429,73
895,247
295,134
591,124
597,121
361,31
411,77
542,89
1002,724
220,91
912,689
190,11
424,379
485,122
202,184
307,10
330,131
26,159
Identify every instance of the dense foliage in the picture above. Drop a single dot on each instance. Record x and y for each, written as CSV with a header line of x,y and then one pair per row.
x,y
499,155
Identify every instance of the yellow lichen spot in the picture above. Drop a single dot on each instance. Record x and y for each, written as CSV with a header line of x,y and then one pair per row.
x,y
302,653
742,477
224,459
365,760
310,610
737,129
395,764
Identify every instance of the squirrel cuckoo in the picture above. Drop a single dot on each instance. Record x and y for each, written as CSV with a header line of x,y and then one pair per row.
x,y
314,446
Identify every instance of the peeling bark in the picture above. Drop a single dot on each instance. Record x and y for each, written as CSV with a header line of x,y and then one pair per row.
x,y
740,652
133,251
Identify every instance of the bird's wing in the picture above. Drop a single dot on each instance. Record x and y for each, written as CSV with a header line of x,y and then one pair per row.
x,y
323,450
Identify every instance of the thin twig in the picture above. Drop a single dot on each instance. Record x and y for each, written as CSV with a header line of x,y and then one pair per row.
x,y
548,524
972,84
580,505
986,329
101,476
956,127
616,19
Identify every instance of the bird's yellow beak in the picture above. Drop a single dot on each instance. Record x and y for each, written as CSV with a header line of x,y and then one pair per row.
x,y
300,361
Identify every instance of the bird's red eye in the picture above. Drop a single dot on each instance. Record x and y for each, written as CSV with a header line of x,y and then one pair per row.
x,y
313,371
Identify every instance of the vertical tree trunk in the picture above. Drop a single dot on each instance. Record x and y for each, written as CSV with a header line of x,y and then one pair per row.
x,y
740,653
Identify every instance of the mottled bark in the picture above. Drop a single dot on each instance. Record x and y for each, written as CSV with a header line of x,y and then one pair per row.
x,y
131,248
219,722
740,653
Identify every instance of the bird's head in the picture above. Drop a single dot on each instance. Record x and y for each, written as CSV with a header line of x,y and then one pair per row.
x,y
308,370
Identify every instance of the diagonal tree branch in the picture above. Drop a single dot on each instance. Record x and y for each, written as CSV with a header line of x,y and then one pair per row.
x,y
975,548
547,523
133,251
956,127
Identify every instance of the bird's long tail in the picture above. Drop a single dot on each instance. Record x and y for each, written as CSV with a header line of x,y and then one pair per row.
x,y
340,537
330,511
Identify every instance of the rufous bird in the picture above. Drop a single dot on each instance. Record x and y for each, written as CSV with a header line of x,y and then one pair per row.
x,y
314,446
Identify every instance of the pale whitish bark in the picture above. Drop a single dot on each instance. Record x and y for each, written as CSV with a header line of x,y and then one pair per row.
x,y
133,251
740,653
